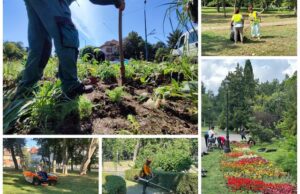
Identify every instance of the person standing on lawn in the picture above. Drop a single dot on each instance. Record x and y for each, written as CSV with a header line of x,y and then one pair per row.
x,y
146,173
51,20
206,135
237,21
255,20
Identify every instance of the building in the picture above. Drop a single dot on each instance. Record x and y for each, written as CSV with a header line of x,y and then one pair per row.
x,y
110,49
7,159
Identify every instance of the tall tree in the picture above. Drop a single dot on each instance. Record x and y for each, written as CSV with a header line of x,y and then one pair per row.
x,y
173,38
14,145
92,146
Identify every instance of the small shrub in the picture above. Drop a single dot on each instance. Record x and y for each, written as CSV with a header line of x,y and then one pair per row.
x,y
114,185
263,134
116,94
85,107
129,174
108,73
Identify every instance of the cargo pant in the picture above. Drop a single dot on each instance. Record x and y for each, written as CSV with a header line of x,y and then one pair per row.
x,y
51,20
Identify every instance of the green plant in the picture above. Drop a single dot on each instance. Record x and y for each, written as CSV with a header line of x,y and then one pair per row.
x,y
116,94
108,73
135,126
85,107
114,185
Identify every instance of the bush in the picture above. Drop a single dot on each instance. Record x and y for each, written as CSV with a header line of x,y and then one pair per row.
x,y
263,134
85,107
176,159
180,183
113,185
129,174
116,94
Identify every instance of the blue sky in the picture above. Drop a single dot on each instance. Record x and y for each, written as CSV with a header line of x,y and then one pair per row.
x,y
30,142
95,23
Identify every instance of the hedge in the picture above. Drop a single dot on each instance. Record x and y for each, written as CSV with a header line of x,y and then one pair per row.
x,y
113,185
180,183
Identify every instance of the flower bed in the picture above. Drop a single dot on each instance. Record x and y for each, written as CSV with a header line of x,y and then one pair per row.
x,y
245,171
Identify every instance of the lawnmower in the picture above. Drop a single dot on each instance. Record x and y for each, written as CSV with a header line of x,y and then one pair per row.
x,y
40,178
148,182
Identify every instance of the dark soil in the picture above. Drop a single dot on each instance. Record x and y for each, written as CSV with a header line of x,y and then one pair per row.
x,y
111,118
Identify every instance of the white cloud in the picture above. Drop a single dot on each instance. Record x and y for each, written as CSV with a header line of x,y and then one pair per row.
x,y
214,71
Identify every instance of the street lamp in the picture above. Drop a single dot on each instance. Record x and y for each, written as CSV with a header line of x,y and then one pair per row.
x,y
227,142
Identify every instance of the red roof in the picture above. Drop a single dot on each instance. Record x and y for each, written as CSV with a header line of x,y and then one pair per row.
x,y
34,150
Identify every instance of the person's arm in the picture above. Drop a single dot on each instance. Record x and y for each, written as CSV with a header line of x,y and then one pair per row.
x,y
117,3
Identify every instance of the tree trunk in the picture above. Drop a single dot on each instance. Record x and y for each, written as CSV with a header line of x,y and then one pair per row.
x,y
91,149
13,155
136,149
65,157
224,8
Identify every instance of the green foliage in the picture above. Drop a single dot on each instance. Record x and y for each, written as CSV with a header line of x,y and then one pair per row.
x,y
135,126
114,185
173,37
116,94
108,73
177,159
181,183
131,173
13,50
261,133
85,107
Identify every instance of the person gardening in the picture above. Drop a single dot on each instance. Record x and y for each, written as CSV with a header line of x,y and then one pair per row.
x,y
146,173
237,21
255,20
51,20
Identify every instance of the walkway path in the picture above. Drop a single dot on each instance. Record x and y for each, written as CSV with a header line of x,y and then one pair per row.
x,y
232,137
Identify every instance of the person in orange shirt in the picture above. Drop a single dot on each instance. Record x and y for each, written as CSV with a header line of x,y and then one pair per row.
x,y
146,173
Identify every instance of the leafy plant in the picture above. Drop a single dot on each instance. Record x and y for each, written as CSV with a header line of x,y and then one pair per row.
x,y
135,126
116,94
85,107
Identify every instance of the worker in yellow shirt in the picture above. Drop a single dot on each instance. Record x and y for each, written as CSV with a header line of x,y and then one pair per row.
x,y
255,20
237,21
146,173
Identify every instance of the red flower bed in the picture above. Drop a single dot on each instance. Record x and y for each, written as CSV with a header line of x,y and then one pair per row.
x,y
236,184
234,154
256,160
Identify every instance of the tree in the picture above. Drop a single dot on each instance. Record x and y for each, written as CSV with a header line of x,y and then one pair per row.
x,y
173,38
93,145
13,50
65,156
133,46
14,146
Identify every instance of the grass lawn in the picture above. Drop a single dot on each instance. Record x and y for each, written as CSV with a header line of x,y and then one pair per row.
x,y
277,39
14,183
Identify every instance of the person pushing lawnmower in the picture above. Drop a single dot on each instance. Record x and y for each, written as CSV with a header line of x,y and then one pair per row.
x,y
51,20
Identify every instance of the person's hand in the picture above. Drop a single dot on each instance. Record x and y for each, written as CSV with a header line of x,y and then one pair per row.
x,y
122,5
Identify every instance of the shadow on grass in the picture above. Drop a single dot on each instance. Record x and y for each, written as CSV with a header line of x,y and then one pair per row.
x,y
212,43
15,183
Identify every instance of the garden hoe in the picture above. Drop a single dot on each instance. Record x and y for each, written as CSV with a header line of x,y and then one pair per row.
x,y
122,67
148,182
